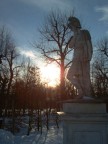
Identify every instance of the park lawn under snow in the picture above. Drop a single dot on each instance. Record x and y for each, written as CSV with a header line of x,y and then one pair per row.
x,y
53,136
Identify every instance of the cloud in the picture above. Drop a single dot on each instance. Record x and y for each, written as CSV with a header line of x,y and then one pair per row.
x,y
34,56
28,53
24,50
104,11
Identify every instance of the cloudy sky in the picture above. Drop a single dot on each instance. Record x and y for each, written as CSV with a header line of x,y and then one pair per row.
x,y
23,17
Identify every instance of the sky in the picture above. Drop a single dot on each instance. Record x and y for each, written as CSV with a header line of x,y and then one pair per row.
x,y
24,17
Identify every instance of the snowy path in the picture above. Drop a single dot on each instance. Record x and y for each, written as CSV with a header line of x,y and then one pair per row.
x,y
53,136
41,139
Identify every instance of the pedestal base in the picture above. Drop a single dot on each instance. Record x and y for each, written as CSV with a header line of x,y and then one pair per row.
x,y
85,122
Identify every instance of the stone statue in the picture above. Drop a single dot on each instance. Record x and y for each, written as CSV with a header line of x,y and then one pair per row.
x,y
79,72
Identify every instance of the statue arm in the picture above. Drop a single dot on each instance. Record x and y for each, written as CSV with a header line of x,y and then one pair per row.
x,y
72,42
88,50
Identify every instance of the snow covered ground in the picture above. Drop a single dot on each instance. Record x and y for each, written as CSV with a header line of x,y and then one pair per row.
x,y
52,136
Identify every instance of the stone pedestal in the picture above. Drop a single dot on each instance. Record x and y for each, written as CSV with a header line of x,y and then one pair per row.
x,y
85,122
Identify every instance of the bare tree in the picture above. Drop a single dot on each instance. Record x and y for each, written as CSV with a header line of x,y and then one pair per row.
x,y
101,68
8,55
8,68
55,37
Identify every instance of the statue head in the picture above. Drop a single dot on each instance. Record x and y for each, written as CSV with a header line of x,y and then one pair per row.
x,y
73,21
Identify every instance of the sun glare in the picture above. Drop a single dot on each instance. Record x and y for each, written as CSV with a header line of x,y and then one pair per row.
x,y
50,74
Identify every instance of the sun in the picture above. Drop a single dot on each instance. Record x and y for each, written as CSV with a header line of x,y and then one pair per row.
x,y
50,74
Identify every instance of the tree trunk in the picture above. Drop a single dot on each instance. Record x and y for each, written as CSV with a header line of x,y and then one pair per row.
x,y
62,80
13,116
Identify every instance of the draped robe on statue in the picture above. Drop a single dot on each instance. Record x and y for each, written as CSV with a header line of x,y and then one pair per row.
x,y
79,72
